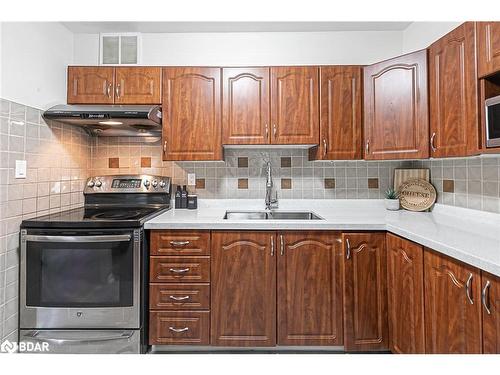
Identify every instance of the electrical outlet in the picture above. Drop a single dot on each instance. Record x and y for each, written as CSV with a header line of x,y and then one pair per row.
x,y
191,179
20,168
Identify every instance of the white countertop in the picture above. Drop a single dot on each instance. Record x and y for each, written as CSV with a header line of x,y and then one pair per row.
x,y
470,236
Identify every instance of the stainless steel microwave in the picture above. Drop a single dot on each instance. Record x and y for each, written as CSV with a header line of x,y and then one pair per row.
x,y
492,121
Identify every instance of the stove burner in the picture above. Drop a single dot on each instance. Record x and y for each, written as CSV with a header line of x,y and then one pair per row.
x,y
116,214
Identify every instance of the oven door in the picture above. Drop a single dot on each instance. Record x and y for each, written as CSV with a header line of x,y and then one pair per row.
x,y
80,279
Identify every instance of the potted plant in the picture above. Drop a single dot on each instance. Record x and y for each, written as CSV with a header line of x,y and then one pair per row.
x,y
391,199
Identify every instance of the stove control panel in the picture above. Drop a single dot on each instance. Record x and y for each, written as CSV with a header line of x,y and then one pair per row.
x,y
127,184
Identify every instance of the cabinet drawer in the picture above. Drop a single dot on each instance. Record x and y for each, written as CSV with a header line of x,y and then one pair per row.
x,y
179,269
179,328
179,296
180,242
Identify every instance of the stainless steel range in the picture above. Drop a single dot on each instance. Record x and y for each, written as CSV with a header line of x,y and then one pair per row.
x,y
83,271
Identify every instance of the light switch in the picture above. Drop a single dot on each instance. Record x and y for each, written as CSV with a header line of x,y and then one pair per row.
x,y
20,168
191,179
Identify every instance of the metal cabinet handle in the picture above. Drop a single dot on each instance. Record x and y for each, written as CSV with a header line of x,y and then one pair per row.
x,y
485,297
178,330
176,270
272,246
179,243
282,245
267,130
108,90
348,248
467,289
118,90
367,146
183,298
433,148
274,130
165,147
79,239
325,147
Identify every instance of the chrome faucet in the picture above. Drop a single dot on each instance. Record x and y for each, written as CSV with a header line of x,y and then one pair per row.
x,y
270,203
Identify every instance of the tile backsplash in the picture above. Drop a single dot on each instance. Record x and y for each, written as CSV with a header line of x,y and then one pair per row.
x,y
58,161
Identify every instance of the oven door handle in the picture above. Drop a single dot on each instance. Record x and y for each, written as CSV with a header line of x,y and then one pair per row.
x,y
111,238
38,336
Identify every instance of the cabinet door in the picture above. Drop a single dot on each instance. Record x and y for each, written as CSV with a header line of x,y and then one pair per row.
x,y
488,48
246,115
243,289
340,113
396,113
310,288
452,306
138,85
491,313
191,114
365,292
294,105
90,85
453,94
405,283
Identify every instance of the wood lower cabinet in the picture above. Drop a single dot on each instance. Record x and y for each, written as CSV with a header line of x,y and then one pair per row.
x,y
179,328
182,296
191,110
91,85
138,85
452,305
365,292
180,242
405,290
294,105
396,112
453,94
310,288
490,299
246,106
340,113
243,289
181,268
488,48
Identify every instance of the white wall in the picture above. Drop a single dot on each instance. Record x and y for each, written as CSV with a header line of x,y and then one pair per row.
x,y
232,49
33,62
420,35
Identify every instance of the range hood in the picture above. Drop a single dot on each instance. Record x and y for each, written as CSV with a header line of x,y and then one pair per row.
x,y
110,120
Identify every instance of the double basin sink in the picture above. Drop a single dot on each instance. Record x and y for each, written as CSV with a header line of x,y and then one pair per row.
x,y
271,215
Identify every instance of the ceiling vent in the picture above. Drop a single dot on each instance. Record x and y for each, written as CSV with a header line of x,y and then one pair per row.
x,y
120,48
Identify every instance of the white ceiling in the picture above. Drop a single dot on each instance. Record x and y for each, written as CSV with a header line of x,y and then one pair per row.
x,y
228,27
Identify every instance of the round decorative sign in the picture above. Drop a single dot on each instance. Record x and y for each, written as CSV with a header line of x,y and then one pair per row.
x,y
417,195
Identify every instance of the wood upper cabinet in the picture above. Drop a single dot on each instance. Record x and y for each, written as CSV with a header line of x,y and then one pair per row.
x,y
90,85
138,85
491,313
191,114
246,112
396,112
294,105
340,113
309,288
453,94
488,48
405,279
365,292
452,306
243,289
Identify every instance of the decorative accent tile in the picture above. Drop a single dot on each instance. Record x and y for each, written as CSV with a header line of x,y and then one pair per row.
x,y
286,162
146,162
329,183
200,183
448,186
242,183
243,162
114,163
286,183
373,183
